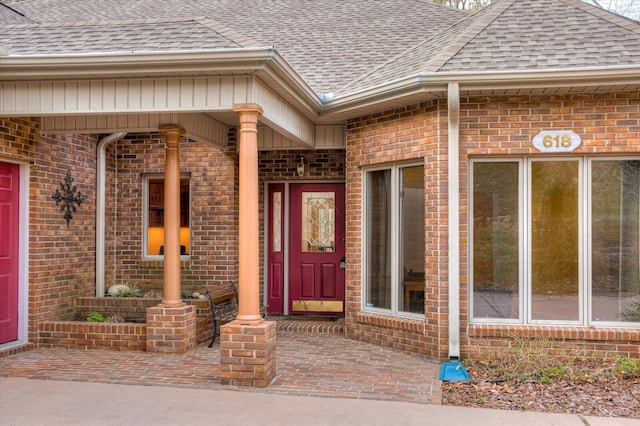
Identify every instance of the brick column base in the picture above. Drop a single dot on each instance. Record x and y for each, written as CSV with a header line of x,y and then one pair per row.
x,y
248,354
171,330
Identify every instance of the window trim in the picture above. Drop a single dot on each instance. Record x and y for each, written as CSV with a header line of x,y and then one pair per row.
x,y
395,240
522,242
585,242
589,241
145,216
528,161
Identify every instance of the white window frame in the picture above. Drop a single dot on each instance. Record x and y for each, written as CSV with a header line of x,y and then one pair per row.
x,y
581,232
589,242
396,275
145,216
524,256
523,241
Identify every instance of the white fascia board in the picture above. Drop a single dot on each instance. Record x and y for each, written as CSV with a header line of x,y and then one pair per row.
x,y
437,83
285,75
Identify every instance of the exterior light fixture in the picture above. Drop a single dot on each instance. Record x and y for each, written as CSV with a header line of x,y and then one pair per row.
x,y
300,167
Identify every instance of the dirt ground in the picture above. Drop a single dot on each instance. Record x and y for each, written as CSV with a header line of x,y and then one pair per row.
x,y
597,388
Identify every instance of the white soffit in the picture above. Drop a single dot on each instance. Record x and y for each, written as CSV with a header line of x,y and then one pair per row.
x,y
199,127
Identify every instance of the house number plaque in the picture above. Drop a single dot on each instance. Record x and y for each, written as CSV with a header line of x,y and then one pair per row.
x,y
557,141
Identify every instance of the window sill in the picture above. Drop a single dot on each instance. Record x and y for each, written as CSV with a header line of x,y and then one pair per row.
x,y
387,321
555,332
159,263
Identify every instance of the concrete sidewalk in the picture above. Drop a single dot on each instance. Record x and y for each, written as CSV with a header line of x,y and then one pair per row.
x,y
48,402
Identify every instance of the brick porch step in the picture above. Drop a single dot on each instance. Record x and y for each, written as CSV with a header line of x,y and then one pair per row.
x,y
300,324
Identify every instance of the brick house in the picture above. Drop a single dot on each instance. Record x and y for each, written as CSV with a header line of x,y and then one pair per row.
x,y
445,181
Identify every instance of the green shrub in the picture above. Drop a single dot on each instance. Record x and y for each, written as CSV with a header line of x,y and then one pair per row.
x,y
629,368
96,317
129,291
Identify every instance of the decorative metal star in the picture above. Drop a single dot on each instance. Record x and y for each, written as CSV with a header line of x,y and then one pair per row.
x,y
68,196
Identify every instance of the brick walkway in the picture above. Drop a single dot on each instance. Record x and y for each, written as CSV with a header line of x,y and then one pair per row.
x,y
311,364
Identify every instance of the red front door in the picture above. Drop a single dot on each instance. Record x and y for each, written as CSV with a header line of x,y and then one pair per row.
x,y
9,221
316,248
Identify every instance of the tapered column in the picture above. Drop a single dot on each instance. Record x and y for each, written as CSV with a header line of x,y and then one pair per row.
x,y
249,254
171,288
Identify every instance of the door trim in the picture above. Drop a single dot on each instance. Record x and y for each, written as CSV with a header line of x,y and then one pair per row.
x,y
23,256
285,236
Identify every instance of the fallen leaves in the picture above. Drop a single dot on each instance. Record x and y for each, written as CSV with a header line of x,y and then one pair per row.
x,y
585,393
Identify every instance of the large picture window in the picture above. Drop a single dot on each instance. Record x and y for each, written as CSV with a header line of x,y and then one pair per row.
x,y
555,240
395,239
154,216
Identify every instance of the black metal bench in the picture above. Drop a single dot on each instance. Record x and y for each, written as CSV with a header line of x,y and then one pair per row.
x,y
223,302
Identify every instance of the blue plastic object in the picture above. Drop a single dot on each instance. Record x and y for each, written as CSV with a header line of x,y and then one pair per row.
x,y
453,371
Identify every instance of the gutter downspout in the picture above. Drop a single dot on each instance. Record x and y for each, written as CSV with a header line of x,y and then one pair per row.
x,y
453,155
100,207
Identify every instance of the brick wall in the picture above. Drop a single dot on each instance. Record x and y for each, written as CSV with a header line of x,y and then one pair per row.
x,y
489,126
505,125
409,133
97,335
485,340
320,165
214,205
62,257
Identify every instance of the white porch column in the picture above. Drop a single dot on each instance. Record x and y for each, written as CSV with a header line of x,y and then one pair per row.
x,y
171,287
248,226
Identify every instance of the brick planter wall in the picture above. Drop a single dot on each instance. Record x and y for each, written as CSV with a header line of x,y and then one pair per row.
x,y
127,336
93,335
134,309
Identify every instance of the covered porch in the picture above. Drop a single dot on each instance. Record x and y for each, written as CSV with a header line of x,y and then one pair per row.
x,y
229,106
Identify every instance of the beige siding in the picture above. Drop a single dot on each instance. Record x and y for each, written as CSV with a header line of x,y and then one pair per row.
x,y
330,137
281,116
114,96
327,137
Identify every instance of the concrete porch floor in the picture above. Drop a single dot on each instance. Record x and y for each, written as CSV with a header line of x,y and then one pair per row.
x,y
313,359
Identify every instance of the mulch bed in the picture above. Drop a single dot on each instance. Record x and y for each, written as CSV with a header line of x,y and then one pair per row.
x,y
605,394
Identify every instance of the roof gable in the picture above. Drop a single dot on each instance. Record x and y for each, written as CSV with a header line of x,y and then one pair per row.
x,y
511,35
555,34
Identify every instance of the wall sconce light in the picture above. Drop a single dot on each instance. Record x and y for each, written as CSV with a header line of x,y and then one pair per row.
x,y
300,167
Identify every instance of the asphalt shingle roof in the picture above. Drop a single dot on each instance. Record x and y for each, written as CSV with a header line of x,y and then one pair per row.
x,y
556,34
8,16
337,46
329,42
114,37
